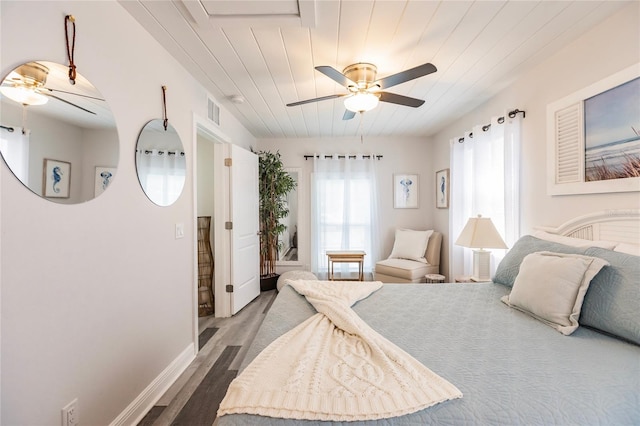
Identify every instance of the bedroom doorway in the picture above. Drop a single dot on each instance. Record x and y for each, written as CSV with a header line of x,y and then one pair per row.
x,y
204,208
225,194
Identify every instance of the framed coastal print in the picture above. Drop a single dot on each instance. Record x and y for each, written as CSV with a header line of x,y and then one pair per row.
x,y
103,178
56,178
593,137
405,191
442,189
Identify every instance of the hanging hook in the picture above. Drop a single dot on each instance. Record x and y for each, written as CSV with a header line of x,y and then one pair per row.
x,y
165,121
70,49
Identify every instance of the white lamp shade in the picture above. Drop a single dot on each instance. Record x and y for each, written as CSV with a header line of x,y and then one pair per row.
x,y
479,232
361,102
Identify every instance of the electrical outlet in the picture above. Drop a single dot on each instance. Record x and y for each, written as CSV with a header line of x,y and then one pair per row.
x,y
70,414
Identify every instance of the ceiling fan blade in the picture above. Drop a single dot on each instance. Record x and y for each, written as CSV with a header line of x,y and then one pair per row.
x,y
71,93
401,77
308,101
67,102
348,115
336,75
400,100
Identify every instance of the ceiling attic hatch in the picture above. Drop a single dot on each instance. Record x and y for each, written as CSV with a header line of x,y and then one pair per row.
x,y
230,13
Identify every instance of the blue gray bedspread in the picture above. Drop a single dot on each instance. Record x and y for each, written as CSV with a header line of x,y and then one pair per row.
x,y
511,368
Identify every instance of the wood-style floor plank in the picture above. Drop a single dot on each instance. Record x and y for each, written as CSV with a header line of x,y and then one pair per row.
x,y
203,405
205,336
195,396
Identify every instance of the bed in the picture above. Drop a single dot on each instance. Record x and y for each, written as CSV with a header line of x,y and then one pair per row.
x,y
511,367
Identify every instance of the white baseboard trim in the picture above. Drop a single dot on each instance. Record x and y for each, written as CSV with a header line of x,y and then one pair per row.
x,y
140,406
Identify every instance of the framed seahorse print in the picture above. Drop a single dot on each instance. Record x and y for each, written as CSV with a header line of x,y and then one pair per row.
x,y
442,189
56,178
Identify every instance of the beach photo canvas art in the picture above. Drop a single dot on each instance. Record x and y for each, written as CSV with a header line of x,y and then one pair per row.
x,y
612,133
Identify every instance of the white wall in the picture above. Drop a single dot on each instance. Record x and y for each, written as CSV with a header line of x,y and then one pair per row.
x,y
97,298
98,152
607,48
400,155
205,177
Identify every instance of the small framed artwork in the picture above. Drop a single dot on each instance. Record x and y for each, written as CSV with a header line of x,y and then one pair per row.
x,y
56,178
442,189
103,178
405,191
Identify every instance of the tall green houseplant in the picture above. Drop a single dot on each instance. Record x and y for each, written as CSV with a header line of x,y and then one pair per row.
x,y
275,184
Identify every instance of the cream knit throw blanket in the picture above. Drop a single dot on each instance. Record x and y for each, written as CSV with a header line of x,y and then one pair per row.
x,y
334,367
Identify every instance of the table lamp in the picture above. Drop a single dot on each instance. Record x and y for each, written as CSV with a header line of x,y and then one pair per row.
x,y
480,233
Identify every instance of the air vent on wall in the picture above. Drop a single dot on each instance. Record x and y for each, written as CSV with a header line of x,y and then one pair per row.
x,y
213,112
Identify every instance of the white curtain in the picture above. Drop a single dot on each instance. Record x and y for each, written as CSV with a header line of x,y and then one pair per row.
x,y
161,174
14,146
485,180
344,210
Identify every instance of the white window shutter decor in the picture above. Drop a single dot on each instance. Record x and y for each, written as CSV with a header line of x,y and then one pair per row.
x,y
569,147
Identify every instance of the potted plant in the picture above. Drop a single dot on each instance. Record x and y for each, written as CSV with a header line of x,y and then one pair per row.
x,y
275,183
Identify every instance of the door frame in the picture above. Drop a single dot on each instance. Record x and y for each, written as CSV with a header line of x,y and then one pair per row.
x,y
202,125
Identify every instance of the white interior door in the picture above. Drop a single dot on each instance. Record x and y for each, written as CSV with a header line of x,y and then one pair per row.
x,y
245,241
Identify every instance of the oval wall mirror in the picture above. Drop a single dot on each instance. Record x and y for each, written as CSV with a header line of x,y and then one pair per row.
x,y
60,140
160,162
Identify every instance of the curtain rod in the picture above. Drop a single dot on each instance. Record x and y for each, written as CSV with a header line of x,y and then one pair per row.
x,y
486,127
377,156
8,129
161,152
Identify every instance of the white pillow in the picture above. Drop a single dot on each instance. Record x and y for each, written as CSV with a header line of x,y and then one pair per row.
x,y
551,287
410,244
573,242
628,249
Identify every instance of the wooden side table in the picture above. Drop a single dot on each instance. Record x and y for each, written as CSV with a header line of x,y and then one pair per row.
x,y
434,278
346,256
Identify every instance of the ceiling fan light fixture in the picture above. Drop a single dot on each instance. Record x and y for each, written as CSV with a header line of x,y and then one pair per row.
x,y
361,102
24,95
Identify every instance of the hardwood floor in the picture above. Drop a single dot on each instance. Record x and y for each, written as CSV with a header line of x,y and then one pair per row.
x,y
194,398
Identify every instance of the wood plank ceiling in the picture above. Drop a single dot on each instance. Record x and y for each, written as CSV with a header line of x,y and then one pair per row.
x,y
265,52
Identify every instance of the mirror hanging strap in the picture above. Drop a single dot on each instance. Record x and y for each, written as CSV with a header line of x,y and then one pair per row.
x,y
165,121
70,49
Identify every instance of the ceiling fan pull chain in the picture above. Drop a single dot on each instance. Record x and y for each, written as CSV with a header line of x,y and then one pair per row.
x,y
70,50
165,121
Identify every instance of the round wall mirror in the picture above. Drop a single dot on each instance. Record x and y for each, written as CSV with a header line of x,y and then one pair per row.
x,y
60,140
160,162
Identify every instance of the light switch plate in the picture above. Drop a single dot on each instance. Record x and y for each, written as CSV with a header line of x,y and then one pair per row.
x,y
179,230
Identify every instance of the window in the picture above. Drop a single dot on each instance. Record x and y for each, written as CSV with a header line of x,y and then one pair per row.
x,y
344,210
485,180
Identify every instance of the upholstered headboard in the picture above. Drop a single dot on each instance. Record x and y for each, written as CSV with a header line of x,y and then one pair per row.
x,y
433,248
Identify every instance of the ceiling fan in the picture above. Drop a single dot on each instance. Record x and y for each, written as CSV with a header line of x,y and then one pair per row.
x,y
365,91
26,85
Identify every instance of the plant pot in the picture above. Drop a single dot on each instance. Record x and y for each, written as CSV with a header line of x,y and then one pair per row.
x,y
268,282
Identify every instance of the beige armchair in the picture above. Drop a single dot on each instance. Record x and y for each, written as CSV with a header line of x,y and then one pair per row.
x,y
395,270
